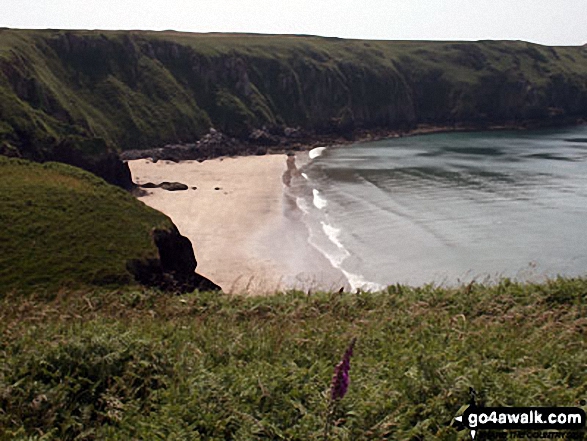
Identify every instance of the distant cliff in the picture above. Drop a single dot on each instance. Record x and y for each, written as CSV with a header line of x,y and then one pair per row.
x,y
90,94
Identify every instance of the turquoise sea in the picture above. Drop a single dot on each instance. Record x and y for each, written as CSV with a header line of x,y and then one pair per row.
x,y
449,208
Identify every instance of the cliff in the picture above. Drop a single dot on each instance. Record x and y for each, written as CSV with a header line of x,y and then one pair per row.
x,y
92,94
64,227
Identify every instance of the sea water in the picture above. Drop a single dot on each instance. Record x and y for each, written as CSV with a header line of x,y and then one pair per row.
x,y
449,208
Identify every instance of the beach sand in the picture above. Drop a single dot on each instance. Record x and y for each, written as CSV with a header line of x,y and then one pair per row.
x,y
247,236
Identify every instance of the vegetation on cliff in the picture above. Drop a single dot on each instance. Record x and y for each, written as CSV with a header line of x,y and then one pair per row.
x,y
138,365
62,226
83,93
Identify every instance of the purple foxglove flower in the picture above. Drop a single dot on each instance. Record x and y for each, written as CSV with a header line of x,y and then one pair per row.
x,y
341,378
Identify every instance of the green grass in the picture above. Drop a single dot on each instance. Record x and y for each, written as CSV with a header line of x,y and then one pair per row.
x,y
140,365
62,226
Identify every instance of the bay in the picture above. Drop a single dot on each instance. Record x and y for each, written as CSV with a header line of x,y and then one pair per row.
x,y
452,207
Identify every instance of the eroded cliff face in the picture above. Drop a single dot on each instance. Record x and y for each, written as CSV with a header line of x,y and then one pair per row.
x,y
236,91
175,268
103,92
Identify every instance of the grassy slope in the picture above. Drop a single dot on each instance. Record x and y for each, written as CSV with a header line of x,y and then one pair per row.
x,y
143,89
63,226
97,92
137,365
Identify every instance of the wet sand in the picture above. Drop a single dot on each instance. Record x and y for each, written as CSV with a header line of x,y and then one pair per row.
x,y
247,236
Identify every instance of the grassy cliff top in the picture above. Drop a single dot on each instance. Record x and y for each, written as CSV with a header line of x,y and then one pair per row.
x,y
62,226
467,60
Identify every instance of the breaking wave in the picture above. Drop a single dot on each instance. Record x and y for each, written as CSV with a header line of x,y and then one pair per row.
x,y
314,153
323,235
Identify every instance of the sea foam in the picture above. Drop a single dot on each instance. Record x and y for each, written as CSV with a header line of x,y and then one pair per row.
x,y
357,281
328,244
333,234
336,258
314,153
302,205
319,202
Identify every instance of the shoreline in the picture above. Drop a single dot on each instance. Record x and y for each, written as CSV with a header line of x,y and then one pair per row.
x,y
246,235
217,145
431,129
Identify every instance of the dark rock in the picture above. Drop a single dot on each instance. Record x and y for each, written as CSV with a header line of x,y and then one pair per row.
x,y
149,185
169,186
7,149
173,186
204,284
175,269
114,171
262,137
73,150
138,192
212,145
216,188
175,251
290,132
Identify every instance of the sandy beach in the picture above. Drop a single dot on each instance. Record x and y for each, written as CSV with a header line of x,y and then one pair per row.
x,y
246,236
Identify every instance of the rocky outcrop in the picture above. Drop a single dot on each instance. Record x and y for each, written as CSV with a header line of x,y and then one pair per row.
x,y
173,186
175,269
211,145
94,156
169,186
110,168
175,251
261,141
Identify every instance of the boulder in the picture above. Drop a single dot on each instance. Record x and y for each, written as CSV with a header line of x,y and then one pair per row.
x,y
263,137
173,186
149,185
290,132
169,186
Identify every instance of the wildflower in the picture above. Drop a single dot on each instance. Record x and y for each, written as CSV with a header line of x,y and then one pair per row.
x,y
341,378
338,387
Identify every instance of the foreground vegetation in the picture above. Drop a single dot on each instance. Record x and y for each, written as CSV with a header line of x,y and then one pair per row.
x,y
142,365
